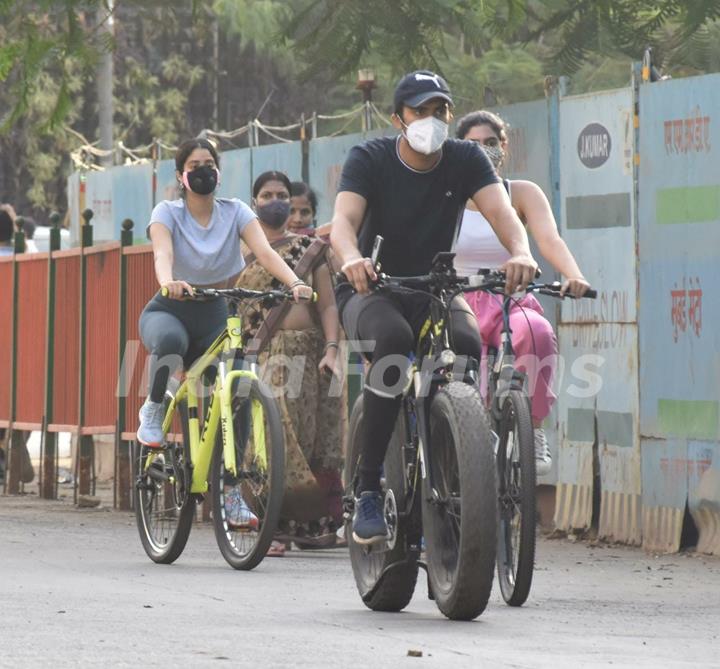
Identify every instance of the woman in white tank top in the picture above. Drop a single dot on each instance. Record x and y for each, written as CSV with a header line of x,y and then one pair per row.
x,y
478,247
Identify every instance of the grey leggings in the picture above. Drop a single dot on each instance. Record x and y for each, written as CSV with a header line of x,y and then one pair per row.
x,y
176,332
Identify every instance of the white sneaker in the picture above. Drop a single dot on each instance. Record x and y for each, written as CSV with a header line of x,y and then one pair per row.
x,y
543,459
150,432
237,512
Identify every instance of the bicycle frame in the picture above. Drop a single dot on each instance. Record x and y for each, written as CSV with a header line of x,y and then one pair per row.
x,y
219,411
433,341
502,375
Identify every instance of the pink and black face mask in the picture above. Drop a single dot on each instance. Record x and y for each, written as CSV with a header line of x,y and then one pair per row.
x,y
202,180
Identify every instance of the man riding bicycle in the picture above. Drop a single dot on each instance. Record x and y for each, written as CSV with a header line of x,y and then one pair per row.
x,y
412,191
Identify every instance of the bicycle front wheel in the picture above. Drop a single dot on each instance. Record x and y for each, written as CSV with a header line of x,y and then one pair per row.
x,y
246,506
386,576
164,506
516,483
460,508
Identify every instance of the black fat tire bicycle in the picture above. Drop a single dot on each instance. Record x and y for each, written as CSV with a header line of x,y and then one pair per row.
x,y
439,474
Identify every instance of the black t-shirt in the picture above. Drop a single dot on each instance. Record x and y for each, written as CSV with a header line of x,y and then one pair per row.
x,y
415,212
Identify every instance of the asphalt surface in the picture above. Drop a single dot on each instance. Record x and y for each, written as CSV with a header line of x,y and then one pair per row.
x,y
76,589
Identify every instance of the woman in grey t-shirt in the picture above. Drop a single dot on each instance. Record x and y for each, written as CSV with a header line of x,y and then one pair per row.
x,y
196,242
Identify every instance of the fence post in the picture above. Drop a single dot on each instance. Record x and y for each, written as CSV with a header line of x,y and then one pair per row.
x,y
16,440
123,449
49,441
86,451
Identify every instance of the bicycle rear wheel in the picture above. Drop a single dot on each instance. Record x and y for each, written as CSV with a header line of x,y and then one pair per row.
x,y
260,480
164,506
460,515
385,576
516,487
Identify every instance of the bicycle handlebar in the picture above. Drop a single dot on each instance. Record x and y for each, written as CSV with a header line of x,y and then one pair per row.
x,y
239,294
488,280
494,281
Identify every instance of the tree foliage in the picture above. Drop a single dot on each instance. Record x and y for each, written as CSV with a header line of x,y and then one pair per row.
x,y
566,33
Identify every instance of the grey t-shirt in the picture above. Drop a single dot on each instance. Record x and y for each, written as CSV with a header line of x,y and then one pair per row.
x,y
208,255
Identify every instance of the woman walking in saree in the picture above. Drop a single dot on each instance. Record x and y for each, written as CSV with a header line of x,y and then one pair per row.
x,y
297,352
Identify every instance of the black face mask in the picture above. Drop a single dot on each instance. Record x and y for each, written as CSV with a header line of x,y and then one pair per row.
x,y
202,180
274,213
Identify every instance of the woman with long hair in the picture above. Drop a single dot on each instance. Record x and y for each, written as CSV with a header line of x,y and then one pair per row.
x,y
196,242
477,247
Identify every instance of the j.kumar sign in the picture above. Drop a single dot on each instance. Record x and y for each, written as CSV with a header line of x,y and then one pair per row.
x,y
594,145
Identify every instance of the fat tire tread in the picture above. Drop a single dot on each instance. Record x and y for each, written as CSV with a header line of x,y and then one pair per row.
x,y
469,594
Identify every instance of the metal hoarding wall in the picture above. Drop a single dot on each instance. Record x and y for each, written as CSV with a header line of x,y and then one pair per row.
x,y
132,198
166,185
113,195
286,157
598,402
679,237
326,159
528,141
235,174
99,198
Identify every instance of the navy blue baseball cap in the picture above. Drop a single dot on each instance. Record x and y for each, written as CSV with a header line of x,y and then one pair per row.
x,y
418,87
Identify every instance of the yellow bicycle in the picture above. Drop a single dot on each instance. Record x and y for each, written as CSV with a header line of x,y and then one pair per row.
x,y
239,443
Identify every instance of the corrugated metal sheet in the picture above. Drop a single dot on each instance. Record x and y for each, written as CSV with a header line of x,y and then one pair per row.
x,y
679,236
664,492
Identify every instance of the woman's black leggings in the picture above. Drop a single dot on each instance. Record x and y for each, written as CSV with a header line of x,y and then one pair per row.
x,y
175,333
386,327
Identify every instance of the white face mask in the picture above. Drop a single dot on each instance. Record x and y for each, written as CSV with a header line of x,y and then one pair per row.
x,y
427,134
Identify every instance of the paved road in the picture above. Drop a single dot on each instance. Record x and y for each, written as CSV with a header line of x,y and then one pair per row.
x,y
77,590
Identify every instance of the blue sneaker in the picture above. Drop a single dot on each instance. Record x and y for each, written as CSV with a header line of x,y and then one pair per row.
x,y
369,526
